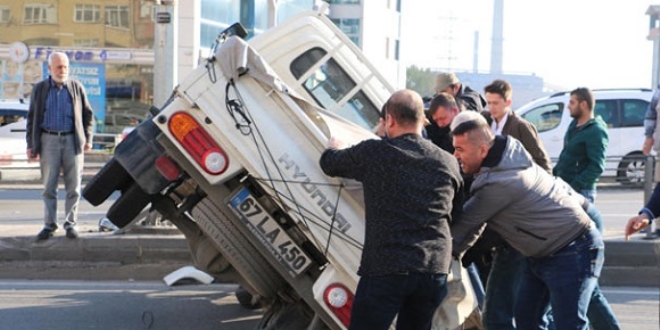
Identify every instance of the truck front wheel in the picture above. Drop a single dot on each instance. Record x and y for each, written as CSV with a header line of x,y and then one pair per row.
x,y
127,207
112,176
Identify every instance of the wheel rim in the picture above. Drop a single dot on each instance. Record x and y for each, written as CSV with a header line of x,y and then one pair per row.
x,y
635,171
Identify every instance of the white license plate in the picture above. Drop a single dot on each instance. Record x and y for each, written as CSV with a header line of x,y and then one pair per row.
x,y
269,232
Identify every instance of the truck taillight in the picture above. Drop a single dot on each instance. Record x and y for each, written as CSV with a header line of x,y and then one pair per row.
x,y
198,143
167,168
340,301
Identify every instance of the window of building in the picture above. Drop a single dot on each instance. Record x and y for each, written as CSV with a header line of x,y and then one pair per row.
x,y
396,49
350,27
345,2
290,8
117,16
39,13
84,13
5,14
86,42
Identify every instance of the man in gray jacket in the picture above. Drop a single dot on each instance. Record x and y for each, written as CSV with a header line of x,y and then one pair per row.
x,y
536,214
58,132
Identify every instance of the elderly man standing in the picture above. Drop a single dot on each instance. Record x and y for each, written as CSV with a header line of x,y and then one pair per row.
x,y
538,215
412,191
59,129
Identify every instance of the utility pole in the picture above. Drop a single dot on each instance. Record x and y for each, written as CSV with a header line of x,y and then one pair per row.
x,y
165,50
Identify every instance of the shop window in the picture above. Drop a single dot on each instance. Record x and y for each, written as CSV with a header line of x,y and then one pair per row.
x,y
39,13
117,16
84,13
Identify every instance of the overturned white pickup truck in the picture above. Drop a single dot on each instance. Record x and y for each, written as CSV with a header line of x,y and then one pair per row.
x,y
232,160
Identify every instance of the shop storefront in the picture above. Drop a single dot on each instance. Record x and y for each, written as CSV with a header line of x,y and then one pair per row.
x,y
119,82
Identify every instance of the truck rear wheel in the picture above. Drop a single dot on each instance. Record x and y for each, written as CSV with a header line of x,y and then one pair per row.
x,y
236,248
127,207
112,176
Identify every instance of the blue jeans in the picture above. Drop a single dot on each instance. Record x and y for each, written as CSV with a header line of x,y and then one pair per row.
x,y
589,194
600,313
414,297
477,286
58,153
565,281
501,288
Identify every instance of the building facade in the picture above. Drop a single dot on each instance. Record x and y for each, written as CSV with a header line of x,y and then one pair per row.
x,y
115,48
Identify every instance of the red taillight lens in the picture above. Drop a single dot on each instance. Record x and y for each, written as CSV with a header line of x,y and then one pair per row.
x,y
167,168
340,301
198,143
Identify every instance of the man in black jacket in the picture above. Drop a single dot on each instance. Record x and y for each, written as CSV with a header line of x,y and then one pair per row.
x,y
466,97
412,191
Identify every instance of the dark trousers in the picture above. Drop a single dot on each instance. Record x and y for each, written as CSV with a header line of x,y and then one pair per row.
x,y
413,297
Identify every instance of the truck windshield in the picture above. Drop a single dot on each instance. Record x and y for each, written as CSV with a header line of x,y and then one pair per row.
x,y
333,89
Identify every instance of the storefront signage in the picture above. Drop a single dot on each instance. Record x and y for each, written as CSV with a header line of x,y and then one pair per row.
x,y
19,52
42,53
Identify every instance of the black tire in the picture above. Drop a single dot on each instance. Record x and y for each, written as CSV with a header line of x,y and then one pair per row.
x,y
631,170
246,299
112,176
131,202
258,273
290,316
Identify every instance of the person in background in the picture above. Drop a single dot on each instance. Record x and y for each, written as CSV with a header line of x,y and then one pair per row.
x,y
58,131
582,160
410,186
646,215
442,110
540,216
466,97
507,265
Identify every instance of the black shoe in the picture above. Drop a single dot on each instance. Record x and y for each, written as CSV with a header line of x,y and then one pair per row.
x,y
46,233
71,233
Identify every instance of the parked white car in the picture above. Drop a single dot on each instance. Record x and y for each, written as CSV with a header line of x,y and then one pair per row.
x,y
13,114
622,109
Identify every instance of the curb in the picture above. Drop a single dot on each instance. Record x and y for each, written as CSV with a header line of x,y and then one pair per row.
x,y
94,256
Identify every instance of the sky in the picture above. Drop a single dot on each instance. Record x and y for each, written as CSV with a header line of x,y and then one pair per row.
x,y
569,43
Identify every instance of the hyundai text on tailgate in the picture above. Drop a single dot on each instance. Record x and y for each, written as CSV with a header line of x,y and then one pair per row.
x,y
232,160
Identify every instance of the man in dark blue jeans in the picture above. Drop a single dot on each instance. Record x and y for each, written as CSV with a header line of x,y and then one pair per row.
x,y
412,191
538,215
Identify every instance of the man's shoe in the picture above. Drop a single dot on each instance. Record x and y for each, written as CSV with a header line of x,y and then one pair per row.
x,y
46,233
71,233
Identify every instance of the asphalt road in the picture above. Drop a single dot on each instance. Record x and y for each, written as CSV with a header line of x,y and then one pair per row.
x,y
70,305
60,305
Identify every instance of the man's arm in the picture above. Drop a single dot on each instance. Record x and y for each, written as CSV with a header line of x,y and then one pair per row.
x,y
87,118
342,162
650,121
31,117
529,137
481,207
